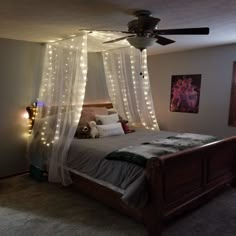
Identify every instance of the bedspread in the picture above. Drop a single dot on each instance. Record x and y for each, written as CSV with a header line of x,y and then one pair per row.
x,y
86,157
139,154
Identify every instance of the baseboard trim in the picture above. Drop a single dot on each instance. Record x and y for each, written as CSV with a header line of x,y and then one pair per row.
x,y
14,175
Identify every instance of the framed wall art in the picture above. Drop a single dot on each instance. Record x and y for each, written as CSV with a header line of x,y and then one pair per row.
x,y
232,111
185,93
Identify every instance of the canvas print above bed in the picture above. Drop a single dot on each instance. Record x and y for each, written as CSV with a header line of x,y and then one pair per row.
x,y
185,93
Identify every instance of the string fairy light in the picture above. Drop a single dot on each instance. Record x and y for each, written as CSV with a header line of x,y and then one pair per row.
x,y
147,94
110,82
136,85
61,56
71,48
140,82
123,88
30,115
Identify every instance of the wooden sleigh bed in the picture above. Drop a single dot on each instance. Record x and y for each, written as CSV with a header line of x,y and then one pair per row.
x,y
176,183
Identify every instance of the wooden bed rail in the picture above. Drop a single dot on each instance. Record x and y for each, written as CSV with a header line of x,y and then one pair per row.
x,y
181,181
176,183
154,211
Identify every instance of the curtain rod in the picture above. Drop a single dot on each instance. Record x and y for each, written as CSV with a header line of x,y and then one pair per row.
x,y
74,36
70,37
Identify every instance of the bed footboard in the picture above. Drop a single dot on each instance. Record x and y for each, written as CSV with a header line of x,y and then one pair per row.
x,y
176,183
181,181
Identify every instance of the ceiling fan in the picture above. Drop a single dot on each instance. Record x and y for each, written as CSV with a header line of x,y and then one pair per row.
x,y
143,31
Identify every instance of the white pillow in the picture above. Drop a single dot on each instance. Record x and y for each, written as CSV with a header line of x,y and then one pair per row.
x,y
110,130
111,111
107,119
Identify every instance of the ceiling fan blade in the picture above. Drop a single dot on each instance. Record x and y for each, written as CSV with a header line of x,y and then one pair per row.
x,y
193,31
119,39
163,41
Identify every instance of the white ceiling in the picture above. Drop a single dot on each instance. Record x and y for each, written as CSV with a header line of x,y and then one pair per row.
x,y
45,20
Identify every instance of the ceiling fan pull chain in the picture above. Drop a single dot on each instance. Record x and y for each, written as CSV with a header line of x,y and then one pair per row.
x,y
141,64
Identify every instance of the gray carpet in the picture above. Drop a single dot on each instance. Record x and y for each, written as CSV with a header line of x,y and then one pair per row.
x,y
31,208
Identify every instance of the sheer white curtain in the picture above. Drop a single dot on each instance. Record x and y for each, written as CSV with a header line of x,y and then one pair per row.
x,y
128,85
60,102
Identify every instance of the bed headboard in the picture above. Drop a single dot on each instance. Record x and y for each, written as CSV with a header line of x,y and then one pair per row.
x,y
107,105
33,108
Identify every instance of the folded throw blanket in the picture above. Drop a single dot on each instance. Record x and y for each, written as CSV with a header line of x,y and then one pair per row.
x,y
141,153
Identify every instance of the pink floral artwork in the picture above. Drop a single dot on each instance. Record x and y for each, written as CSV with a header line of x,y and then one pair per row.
x,y
185,93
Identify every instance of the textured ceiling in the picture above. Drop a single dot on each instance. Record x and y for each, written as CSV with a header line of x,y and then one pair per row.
x,y
45,20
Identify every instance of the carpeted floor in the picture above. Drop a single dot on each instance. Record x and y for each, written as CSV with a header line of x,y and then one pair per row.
x,y
31,208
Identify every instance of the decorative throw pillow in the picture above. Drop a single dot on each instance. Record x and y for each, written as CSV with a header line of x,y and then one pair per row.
x,y
110,129
107,119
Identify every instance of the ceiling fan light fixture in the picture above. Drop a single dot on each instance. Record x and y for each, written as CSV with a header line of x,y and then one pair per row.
x,y
141,42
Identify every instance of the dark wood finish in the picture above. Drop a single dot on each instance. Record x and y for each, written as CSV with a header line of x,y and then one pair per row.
x,y
233,184
54,109
105,195
176,183
199,172
232,111
107,105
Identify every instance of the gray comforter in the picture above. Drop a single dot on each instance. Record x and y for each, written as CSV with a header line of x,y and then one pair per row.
x,y
86,157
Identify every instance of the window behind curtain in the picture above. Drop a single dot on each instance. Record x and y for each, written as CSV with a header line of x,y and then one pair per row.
x,y
232,112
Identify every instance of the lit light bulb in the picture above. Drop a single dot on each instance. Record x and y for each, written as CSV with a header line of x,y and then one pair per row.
x,y
25,115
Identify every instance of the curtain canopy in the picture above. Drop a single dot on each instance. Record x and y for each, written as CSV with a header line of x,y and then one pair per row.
x,y
129,87
62,92
60,101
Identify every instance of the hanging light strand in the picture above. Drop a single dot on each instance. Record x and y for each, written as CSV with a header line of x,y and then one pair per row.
x,y
72,48
151,118
111,80
135,81
123,88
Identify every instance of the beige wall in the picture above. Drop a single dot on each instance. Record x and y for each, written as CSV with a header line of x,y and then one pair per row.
x,y
215,66
20,66
20,73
